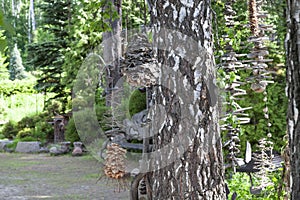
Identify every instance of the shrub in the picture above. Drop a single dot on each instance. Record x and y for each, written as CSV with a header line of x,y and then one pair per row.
x,y
26,122
10,130
137,102
26,132
43,130
243,190
13,145
71,132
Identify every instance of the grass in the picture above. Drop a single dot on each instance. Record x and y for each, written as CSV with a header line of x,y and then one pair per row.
x,y
40,176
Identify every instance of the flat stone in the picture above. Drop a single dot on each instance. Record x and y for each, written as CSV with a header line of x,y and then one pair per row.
x,y
28,147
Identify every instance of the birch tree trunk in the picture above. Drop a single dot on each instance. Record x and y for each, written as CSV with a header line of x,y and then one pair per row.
x,y
187,162
293,81
31,21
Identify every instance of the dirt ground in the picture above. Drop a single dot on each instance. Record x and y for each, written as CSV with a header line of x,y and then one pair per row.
x,y
41,176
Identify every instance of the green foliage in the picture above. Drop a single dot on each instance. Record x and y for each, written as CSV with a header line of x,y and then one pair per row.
x,y
242,190
16,68
134,13
71,132
46,56
52,107
24,133
137,102
4,74
13,145
9,88
277,102
35,128
277,106
240,183
23,104
4,25
84,35
10,130
31,127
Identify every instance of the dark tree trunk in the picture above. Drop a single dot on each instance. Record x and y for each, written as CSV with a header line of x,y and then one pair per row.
x,y
293,81
187,162
112,51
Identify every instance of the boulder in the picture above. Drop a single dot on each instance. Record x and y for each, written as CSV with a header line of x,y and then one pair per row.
x,y
54,151
28,147
44,150
77,149
61,148
3,144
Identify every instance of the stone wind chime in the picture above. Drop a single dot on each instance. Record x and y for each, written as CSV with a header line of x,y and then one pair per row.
x,y
140,70
260,79
234,114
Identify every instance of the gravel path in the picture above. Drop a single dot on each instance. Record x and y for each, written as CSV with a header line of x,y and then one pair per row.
x,y
40,176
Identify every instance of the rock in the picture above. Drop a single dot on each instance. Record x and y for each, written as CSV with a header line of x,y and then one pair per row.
x,y
77,149
28,147
44,150
53,150
65,147
135,128
3,144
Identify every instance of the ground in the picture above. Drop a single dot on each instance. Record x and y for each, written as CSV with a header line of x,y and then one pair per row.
x,y
41,176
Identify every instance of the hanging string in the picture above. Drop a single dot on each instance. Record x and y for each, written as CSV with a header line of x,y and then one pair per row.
x,y
235,115
260,80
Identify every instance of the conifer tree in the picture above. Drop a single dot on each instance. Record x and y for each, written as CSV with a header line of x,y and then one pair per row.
x,y
16,68
47,56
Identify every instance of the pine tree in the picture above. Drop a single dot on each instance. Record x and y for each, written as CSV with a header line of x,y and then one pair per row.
x,y
16,68
47,56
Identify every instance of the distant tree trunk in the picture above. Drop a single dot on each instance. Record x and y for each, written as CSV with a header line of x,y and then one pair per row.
x,y
31,21
191,167
293,81
112,51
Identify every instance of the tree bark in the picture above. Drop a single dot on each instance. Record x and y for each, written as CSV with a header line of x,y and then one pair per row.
x,y
31,21
112,51
187,162
293,81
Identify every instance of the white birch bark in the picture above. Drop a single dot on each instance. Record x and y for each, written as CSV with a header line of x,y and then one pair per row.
x,y
293,80
188,163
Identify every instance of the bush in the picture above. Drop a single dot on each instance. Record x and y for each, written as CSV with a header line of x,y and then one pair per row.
x,y
13,145
8,87
10,130
30,128
137,102
43,130
26,132
240,183
26,122
71,132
